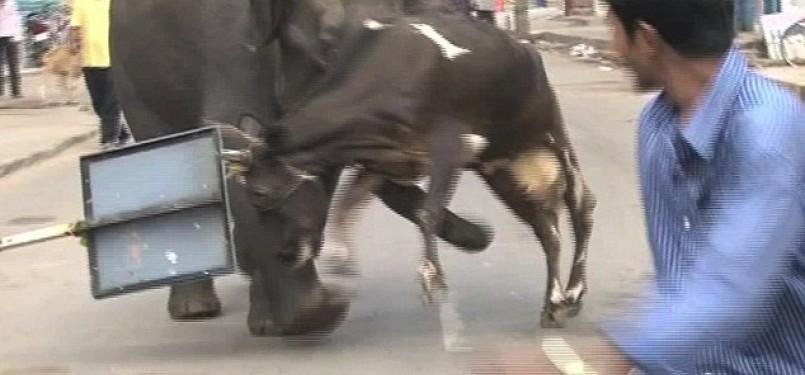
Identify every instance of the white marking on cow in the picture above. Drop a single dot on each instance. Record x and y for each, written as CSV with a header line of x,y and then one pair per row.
x,y
407,181
556,294
449,50
305,254
574,292
307,177
555,231
474,143
582,257
374,25
427,270
537,171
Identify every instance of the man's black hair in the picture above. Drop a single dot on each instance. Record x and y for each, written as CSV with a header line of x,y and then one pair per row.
x,y
693,28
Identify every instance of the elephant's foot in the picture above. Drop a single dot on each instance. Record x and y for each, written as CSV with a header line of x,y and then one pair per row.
x,y
194,300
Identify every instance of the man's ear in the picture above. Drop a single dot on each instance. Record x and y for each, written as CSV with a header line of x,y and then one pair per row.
x,y
648,36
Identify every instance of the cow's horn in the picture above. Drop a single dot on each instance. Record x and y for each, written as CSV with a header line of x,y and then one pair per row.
x,y
237,156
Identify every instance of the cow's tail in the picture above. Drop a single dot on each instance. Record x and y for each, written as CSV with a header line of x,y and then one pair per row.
x,y
576,190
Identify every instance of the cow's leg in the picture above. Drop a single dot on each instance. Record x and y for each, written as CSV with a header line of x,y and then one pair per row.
x,y
194,300
532,186
428,220
406,200
356,192
581,203
447,151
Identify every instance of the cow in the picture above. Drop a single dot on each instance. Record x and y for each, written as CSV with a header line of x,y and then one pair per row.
x,y
430,94
179,64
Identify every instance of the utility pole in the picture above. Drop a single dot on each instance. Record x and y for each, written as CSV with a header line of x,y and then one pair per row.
x,y
600,8
522,25
746,15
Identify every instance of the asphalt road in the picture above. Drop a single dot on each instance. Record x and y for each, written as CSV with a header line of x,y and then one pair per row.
x,y
49,323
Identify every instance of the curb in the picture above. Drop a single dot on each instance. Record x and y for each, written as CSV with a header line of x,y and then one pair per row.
x,y
8,168
551,37
31,71
26,72
31,104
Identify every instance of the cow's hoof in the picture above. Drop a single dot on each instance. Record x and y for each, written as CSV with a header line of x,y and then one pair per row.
x,y
464,234
555,317
194,300
434,289
263,327
574,308
321,314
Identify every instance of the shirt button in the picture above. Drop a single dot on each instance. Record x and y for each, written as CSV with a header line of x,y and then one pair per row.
x,y
686,222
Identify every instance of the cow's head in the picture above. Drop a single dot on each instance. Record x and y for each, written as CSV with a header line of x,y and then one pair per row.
x,y
290,199
287,213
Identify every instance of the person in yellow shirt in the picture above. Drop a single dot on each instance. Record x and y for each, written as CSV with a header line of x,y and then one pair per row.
x,y
89,35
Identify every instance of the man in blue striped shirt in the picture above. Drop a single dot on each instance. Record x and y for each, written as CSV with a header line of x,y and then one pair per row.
x,y
722,170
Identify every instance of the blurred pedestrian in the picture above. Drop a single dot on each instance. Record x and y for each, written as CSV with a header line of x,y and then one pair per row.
x,y
461,6
89,35
721,166
10,37
485,10
722,172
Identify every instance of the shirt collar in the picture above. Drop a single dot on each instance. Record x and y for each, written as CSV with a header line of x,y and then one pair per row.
x,y
708,118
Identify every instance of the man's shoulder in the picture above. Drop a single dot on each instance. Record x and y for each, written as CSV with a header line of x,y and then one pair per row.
x,y
769,117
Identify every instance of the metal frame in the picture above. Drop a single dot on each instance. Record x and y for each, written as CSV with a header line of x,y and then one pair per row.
x,y
148,212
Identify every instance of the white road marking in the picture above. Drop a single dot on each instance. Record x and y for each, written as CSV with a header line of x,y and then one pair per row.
x,y
556,295
453,337
574,293
564,357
